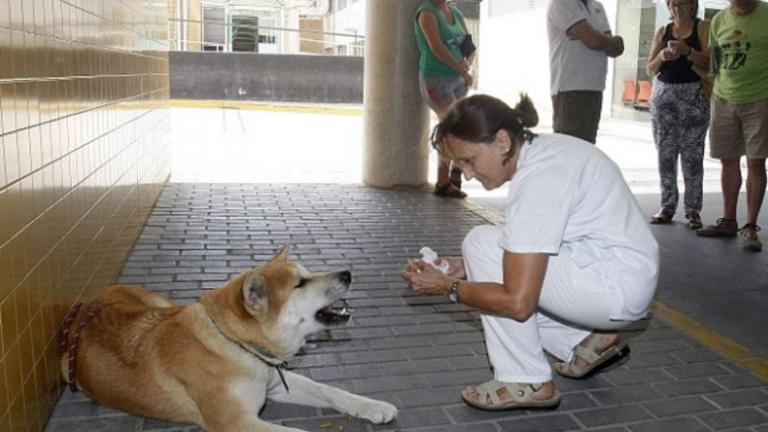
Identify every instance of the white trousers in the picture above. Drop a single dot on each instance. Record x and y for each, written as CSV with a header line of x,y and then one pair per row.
x,y
573,302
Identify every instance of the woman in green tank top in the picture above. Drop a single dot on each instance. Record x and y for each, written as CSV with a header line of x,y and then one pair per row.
x,y
444,73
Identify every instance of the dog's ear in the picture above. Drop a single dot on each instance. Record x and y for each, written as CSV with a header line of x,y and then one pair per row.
x,y
255,296
282,254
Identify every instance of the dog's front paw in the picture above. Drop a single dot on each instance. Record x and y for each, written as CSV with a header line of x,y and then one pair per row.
x,y
377,411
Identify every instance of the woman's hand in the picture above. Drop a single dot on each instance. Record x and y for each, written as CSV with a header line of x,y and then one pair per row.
x,y
668,55
425,279
679,48
455,267
462,67
468,78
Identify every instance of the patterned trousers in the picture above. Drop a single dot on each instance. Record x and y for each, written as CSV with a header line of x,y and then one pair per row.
x,y
680,117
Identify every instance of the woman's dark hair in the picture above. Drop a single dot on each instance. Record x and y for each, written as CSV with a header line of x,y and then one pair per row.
x,y
694,12
478,118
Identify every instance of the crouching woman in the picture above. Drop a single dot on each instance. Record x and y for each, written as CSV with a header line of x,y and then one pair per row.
x,y
572,266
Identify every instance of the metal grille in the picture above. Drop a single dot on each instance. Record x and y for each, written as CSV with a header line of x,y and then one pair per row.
x,y
505,7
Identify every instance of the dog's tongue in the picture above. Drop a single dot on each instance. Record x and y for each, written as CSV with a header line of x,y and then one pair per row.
x,y
335,313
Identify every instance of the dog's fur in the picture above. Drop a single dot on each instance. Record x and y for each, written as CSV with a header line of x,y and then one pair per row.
x,y
195,364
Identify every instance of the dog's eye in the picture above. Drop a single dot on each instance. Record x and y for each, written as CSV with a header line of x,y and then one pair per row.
x,y
302,282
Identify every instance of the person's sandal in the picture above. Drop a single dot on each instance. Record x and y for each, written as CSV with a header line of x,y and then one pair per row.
x,y
751,242
662,217
722,228
499,396
455,177
694,220
448,190
594,360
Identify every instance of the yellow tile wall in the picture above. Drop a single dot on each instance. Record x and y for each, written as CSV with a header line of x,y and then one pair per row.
x,y
84,154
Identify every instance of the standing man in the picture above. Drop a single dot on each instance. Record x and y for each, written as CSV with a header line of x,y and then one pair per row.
x,y
580,43
739,40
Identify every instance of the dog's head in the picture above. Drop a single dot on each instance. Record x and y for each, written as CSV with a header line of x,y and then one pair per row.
x,y
288,302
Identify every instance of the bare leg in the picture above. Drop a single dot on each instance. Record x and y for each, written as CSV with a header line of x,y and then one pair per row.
x,y
756,180
443,167
730,182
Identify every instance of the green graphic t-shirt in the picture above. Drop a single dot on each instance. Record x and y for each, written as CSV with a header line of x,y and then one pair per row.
x,y
451,34
740,54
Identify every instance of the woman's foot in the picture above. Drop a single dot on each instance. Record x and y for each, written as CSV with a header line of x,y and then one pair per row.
x,y
496,395
455,177
662,217
448,190
694,220
596,351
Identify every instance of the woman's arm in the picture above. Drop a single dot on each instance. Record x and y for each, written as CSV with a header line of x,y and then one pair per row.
x,y
517,297
654,59
428,25
701,58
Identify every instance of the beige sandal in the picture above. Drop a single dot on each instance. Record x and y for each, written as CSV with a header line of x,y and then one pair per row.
x,y
521,395
595,360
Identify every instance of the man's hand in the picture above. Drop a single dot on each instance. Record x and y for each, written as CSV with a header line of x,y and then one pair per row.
x,y
616,47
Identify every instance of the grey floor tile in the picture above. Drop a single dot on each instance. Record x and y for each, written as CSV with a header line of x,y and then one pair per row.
x,y
542,423
611,416
679,406
734,418
686,424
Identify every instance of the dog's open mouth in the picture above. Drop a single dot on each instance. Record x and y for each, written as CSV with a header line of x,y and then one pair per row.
x,y
335,313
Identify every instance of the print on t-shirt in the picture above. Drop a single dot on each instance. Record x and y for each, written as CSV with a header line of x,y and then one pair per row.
x,y
732,55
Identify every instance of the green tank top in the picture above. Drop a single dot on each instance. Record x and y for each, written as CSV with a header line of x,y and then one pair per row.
x,y
450,34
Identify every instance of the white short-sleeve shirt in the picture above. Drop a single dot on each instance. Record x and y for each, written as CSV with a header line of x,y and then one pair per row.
x,y
568,198
573,66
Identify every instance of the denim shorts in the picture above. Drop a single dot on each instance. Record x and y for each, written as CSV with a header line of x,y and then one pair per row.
x,y
441,92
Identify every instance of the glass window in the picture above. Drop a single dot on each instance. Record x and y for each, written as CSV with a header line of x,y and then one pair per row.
x,y
637,22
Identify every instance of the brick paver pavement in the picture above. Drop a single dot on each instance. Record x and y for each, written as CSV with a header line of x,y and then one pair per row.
x,y
417,352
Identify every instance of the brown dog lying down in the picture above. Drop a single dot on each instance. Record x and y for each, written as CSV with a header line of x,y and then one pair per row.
x,y
215,362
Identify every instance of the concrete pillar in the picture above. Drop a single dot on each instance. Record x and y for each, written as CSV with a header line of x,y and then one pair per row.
x,y
291,36
396,121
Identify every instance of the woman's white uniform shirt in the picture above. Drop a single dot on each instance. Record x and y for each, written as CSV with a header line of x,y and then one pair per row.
x,y
569,200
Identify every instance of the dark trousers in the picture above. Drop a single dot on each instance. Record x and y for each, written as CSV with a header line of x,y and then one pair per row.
x,y
577,113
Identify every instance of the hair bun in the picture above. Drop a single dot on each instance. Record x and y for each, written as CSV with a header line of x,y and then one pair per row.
x,y
526,112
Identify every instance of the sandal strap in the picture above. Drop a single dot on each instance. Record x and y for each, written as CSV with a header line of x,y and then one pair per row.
x,y
590,352
518,392
754,227
449,190
489,388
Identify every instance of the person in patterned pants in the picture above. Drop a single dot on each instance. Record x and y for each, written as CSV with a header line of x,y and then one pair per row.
x,y
679,108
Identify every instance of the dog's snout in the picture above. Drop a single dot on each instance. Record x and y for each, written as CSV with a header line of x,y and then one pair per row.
x,y
345,277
